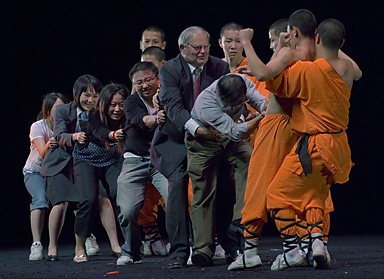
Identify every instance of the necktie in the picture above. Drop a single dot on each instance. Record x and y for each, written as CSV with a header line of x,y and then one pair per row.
x,y
196,82
82,117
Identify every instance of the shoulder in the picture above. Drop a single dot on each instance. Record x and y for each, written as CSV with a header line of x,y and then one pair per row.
x,y
288,56
217,62
39,124
133,100
66,108
172,64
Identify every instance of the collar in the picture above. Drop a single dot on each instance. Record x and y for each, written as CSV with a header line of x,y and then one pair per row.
x,y
78,111
193,68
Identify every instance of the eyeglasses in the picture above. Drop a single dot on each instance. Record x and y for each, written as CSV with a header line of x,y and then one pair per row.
x,y
147,81
200,47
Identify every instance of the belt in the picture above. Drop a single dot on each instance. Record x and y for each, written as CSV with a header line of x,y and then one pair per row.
x,y
302,151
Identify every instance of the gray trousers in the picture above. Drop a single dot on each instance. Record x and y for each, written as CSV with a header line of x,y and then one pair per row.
x,y
135,174
203,168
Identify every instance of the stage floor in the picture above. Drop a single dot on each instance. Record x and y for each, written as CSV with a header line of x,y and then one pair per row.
x,y
352,257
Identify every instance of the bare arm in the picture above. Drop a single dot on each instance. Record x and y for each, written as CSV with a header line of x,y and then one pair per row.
x,y
262,71
254,123
42,146
358,73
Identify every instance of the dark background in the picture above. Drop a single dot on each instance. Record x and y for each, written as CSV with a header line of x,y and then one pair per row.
x,y
47,45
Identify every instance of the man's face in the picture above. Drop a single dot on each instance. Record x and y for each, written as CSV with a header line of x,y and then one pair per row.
x,y
151,38
146,83
152,58
231,45
196,52
273,39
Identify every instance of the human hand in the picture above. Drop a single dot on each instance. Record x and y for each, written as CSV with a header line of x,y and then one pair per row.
x,y
245,35
245,70
284,39
209,133
52,142
160,119
117,135
80,137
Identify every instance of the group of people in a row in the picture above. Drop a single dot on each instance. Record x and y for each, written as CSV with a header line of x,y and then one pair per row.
x,y
218,143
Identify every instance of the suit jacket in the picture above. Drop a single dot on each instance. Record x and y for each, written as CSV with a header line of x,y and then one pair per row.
x,y
168,150
65,125
138,136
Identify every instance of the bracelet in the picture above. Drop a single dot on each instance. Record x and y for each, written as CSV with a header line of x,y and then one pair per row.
x,y
114,136
155,118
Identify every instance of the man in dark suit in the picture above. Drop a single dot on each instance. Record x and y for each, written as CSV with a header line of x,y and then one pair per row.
x,y
182,79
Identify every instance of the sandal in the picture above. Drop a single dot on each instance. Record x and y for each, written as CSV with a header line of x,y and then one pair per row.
x,y
80,258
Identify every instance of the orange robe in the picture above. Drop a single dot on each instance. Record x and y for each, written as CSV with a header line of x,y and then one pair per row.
x,y
260,85
273,142
320,109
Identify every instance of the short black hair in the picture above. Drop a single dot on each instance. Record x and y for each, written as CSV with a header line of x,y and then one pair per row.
x,y
156,51
82,83
279,26
332,33
232,89
230,26
155,29
143,66
304,21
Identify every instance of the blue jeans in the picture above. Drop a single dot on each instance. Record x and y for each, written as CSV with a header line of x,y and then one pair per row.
x,y
35,184
135,174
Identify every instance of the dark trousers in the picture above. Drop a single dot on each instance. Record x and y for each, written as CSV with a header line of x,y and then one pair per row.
x,y
87,178
177,215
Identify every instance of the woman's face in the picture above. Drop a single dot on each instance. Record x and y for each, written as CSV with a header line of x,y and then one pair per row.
x,y
115,107
58,102
88,99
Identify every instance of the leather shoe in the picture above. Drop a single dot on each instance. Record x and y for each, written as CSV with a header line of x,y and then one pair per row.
x,y
201,259
177,262
52,258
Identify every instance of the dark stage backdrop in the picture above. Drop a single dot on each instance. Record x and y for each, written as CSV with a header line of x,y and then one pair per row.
x,y
47,45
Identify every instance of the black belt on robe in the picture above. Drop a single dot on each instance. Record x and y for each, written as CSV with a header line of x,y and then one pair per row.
x,y
302,151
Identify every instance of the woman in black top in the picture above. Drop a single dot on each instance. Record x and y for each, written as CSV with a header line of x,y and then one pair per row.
x,y
98,158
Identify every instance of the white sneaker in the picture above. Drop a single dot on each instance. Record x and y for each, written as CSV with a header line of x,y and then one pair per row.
x,y
189,261
126,260
282,261
156,248
219,253
91,246
36,251
321,257
147,248
168,247
243,262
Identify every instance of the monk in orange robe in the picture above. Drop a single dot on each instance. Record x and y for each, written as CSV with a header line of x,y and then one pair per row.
x,y
321,92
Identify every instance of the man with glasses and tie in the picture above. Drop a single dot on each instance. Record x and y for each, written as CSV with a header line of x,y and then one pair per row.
x,y
182,79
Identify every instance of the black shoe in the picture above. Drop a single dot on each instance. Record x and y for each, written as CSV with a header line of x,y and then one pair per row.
x,y
177,262
201,259
52,258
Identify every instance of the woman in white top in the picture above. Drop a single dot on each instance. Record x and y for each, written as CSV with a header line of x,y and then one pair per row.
x,y
41,136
